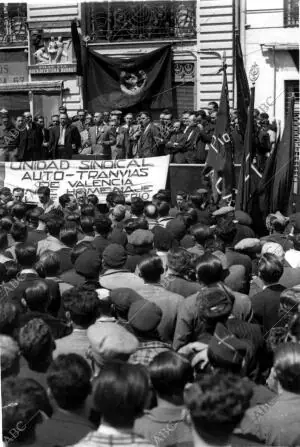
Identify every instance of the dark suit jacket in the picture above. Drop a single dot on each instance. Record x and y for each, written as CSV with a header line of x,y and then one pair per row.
x,y
149,142
100,243
266,305
178,138
101,143
17,288
72,136
33,139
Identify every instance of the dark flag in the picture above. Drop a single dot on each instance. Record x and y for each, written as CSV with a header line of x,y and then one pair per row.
x,y
284,166
249,176
243,92
219,162
121,83
77,47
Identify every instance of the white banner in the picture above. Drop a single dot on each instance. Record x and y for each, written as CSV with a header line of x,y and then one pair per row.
x,y
141,177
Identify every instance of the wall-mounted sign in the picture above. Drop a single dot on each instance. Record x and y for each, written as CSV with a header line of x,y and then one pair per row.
x,y
13,67
52,69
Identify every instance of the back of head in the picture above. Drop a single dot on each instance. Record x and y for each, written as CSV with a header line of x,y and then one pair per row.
x,y
48,264
151,269
53,225
18,211
69,380
68,236
26,255
151,211
79,249
83,306
180,261
37,296
36,343
133,224
287,367
3,240
103,225
163,209
162,240
137,206
209,269
217,404
10,356
169,373
9,318
19,231
87,224
120,393
11,270
201,233
31,399
270,268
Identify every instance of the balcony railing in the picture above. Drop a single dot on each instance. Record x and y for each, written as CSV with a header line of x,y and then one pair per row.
x,y
291,13
13,19
125,21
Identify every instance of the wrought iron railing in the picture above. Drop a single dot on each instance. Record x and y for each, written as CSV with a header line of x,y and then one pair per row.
x,y
291,13
13,19
125,21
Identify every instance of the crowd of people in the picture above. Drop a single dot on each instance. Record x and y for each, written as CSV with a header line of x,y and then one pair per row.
x,y
110,135
158,323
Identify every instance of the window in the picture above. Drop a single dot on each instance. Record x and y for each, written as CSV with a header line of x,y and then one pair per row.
x,y
291,13
292,87
125,21
13,18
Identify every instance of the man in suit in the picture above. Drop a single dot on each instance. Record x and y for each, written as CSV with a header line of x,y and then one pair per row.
x,y
101,137
9,140
20,125
46,136
175,144
34,139
64,139
150,139
80,124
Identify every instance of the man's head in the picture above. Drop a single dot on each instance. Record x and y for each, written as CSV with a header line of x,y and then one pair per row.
x,y
62,109
121,394
150,211
63,119
48,264
44,194
54,225
28,117
82,307
177,126
98,118
81,115
129,119
20,122
151,269
106,116
180,198
37,344
192,120
162,118
217,404
186,118
41,121
26,255
168,119
270,268
68,202
18,194
287,367
31,399
137,206
81,196
5,121
212,107
10,356
55,120
37,297
169,374
5,195
145,118
69,381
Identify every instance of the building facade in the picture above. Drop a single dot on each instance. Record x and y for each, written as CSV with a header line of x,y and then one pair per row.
x,y
201,32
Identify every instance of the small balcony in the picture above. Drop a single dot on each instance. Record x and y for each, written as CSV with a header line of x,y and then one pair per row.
x,y
291,13
13,29
153,20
